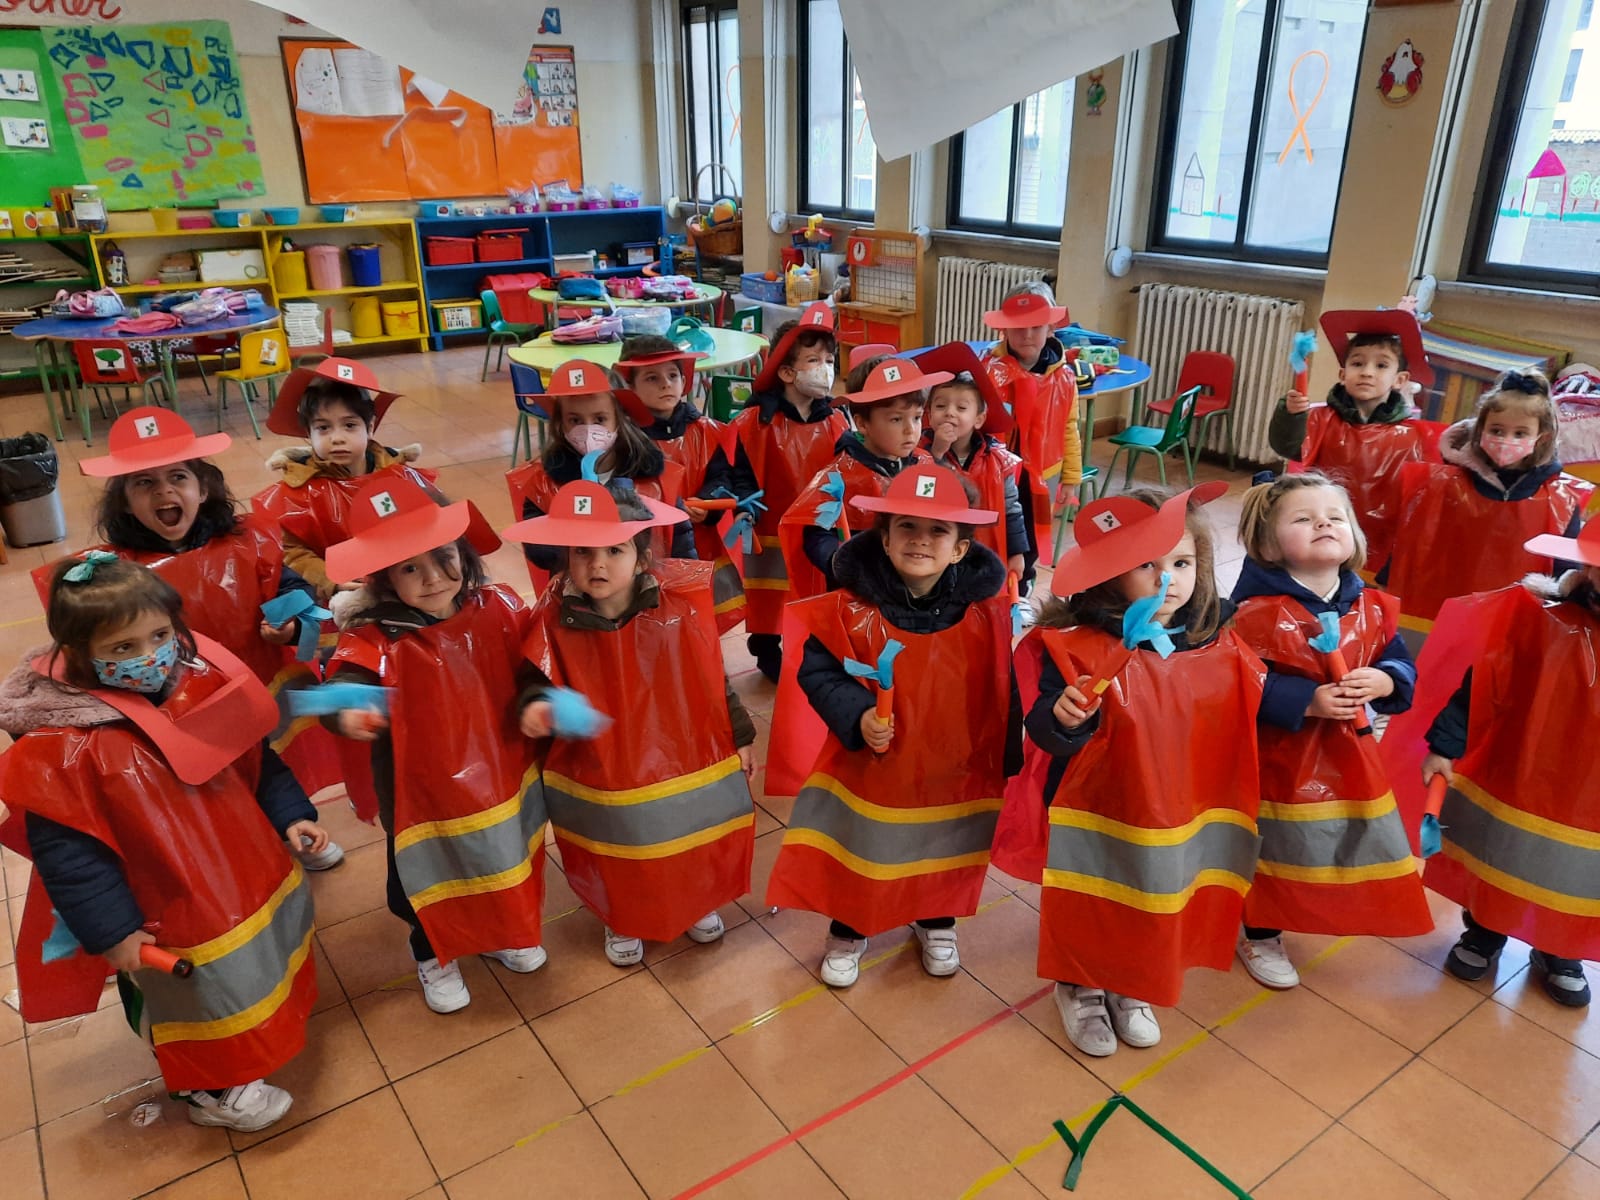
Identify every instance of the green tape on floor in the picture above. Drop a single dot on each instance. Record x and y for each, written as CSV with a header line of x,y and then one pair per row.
x,y
1080,1145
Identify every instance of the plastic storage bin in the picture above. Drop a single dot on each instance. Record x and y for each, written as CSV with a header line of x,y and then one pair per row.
x,y
326,268
281,215
366,267
366,317
448,251
30,505
456,315
232,218
334,214
500,245
401,317
289,272
511,290
759,287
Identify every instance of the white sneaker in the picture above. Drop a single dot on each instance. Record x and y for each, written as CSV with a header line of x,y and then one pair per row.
x,y
247,1108
524,961
623,951
326,859
1134,1021
1085,1019
939,955
442,986
707,929
1268,962
841,960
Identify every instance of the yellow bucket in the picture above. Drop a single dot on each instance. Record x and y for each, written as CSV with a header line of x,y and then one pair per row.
x,y
165,219
290,272
401,317
366,318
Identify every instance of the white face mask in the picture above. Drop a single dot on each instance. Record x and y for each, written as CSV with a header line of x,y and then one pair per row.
x,y
815,380
589,439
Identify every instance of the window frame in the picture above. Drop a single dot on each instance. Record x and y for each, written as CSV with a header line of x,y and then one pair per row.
x,y
714,10
1158,241
803,125
1008,227
1475,265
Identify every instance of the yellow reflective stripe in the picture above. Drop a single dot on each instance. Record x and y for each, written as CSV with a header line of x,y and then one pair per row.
x,y
1329,810
471,823
1151,902
1389,870
920,815
881,871
246,929
226,1027
1520,888
296,727
1567,835
1415,624
643,795
688,841
295,673
1141,835
731,603
776,585
454,889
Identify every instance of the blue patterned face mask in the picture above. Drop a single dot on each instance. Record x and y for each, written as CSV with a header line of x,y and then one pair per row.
x,y
147,673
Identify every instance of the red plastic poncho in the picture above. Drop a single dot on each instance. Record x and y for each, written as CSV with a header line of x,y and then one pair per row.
x,y
693,452
1366,461
859,480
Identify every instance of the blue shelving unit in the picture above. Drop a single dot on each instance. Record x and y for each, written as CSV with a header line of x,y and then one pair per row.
x,y
548,235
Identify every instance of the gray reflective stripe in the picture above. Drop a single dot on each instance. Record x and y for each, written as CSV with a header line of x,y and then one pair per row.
x,y
725,584
766,562
651,822
892,842
245,976
491,850
1338,842
1155,870
1541,861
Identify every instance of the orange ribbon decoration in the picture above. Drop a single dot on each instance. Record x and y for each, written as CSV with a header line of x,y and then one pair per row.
x,y
1299,133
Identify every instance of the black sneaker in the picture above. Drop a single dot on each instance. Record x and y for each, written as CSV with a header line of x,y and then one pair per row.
x,y
1474,954
1564,980
770,663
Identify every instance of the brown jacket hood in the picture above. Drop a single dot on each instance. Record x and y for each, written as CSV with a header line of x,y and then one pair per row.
x,y
29,701
297,464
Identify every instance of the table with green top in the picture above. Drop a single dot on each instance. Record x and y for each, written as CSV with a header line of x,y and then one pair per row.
x,y
731,349
705,297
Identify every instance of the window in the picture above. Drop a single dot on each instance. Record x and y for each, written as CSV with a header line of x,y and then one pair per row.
x,y
1008,174
1538,220
711,97
838,158
1258,106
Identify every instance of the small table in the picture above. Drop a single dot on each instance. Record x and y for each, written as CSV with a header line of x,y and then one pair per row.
x,y
732,349
49,332
705,296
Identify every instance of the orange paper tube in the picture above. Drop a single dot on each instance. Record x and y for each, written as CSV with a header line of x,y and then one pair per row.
x,y
1434,804
1013,587
721,504
166,961
885,709
1340,669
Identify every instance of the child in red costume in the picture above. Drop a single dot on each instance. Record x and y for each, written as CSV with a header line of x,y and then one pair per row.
x,y
1334,853
659,378
586,416
1152,832
785,435
133,789
1365,431
652,811
894,823
457,785
1463,523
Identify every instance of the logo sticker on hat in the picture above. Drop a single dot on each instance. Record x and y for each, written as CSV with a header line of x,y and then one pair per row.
x,y
891,374
147,427
1107,521
583,506
383,504
817,317
927,487
346,371
575,377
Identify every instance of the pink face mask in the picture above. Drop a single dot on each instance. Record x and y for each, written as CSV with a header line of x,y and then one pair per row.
x,y
1506,452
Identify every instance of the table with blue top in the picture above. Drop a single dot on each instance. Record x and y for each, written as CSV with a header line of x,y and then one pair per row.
x,y
47,333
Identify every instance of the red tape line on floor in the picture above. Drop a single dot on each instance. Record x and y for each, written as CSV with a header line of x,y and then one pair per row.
x,y
872,1093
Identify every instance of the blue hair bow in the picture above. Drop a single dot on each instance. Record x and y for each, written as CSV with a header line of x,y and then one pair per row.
x,y
84,571
829,511
883,671
280,610
1139,626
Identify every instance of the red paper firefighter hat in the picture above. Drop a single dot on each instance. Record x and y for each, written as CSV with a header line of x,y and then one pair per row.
x,y
816,316
1343,324
584,513
861,354
895,377
392,519
958,357
284,418
145,438
1025,310
927,491
1119,533
1584,548
629,399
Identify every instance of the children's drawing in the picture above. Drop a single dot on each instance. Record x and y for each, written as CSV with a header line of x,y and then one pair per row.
x,y
19,85
26,133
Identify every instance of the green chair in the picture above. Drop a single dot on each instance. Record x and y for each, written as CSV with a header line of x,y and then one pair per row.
x,y
502,333
1144,439
729,395
746,320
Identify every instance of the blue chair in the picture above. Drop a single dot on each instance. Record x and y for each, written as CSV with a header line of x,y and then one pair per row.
x,y
526,383
502,333
1144,439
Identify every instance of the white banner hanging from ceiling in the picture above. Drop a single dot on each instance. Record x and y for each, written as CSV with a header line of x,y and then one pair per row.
x,y
931,68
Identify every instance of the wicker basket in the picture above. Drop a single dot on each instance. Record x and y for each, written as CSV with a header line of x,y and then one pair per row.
x,y
724,241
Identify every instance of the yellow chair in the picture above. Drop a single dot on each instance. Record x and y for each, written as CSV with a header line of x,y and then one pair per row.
x,y
263,358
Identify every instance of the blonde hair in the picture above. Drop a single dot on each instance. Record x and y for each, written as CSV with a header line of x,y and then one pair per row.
x,y
1258,520
1527,393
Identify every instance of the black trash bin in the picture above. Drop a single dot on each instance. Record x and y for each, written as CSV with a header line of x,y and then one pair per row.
x,y
30,505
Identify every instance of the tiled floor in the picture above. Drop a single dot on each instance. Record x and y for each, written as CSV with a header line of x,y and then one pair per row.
x,y
729,1071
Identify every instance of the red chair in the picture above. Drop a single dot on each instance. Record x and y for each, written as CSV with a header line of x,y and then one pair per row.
x,y
1212,373
108,363
211,345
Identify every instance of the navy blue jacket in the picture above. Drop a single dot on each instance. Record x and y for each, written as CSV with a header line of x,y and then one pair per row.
x,y
821,544
564,464
1286,698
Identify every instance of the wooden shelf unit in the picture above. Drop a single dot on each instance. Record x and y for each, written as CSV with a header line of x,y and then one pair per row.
x,y
64,252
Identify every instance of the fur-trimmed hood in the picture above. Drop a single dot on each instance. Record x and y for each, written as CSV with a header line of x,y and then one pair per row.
x,y
1456,447
29,701
297,464
1570,585
358,606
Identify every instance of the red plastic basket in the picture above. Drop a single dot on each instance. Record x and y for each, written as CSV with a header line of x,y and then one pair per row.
x,y
500,245
447,251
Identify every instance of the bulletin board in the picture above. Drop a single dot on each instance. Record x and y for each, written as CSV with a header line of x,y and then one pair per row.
x,y
28,93
369,130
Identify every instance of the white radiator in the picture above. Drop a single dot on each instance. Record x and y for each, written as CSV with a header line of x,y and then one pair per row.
x,y
970,287
1257,331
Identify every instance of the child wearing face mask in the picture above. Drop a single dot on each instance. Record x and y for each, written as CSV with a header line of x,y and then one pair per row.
x,y
785,435
457,784
165,506
894,822
660,377
1365,432
586,418
652,812
1334,854
1151,834
1463,523
132,787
